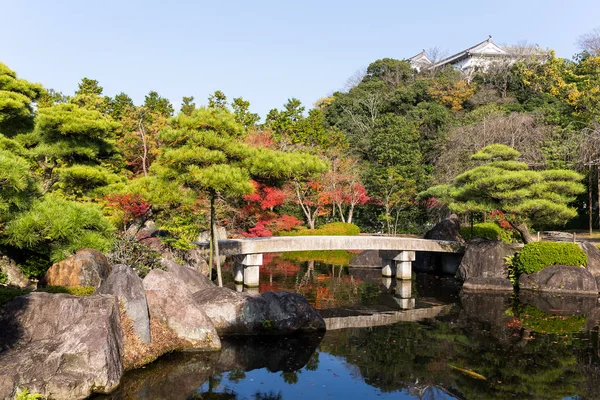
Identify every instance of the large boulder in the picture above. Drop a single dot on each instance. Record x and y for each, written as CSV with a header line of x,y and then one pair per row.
x,y
87,267
485,259
127,286
448,229
593,257
193,279
269,313
13,274
560,279
61,346
171,303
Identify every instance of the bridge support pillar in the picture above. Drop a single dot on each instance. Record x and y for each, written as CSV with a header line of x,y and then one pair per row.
x,y
404,264
251,269
404,298
387,266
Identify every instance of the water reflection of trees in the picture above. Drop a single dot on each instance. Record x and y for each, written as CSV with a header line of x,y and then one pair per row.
x,y
322,277
516,362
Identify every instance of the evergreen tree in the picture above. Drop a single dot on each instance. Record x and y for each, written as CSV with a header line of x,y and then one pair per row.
x,y
157,104
203,152
74,148
241,110
539,198
188,105
16,98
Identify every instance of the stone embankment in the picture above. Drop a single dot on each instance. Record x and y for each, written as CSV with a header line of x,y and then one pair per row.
x,y
68,347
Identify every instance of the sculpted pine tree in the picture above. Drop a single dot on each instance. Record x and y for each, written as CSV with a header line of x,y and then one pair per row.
x,y
204,152
16,96
74,148
538,198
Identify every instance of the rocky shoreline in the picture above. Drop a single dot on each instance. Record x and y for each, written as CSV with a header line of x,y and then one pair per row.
x,y
69,347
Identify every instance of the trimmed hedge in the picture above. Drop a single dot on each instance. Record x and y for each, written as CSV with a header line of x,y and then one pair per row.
x,y
538,255
488,230
332,229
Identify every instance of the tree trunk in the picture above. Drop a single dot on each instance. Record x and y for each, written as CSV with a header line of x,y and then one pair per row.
x,y
590,201
350,214
341,212
598,181
213,237
524,231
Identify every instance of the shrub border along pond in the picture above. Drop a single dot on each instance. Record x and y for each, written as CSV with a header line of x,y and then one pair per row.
x,y
538,255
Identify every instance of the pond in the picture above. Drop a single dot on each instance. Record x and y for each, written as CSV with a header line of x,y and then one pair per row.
x,y
446,345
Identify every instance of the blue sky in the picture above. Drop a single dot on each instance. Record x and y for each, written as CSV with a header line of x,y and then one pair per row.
x,y
264,51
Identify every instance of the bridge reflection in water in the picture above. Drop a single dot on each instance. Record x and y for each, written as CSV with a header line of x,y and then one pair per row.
x,y
397,253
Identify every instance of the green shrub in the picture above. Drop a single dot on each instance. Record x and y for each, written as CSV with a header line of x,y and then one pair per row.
x,y
538,255
3,277
488,230
25,394
73,290
53,229
332,229
137,255
7,293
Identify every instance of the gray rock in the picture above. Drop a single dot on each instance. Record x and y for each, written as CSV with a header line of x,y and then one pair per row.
x,y
288,313
269,313
448,229
170,302
367,258
13,274
127,286
87,267
61,346
485,259
485,284
593,257
193,279
560,279
220,233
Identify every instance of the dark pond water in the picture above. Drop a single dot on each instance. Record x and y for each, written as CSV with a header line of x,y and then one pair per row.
x,y
440,345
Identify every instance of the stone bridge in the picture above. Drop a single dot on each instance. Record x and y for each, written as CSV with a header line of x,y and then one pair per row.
x,y
397,253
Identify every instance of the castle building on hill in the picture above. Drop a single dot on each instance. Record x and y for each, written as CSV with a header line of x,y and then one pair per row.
x,y
479,57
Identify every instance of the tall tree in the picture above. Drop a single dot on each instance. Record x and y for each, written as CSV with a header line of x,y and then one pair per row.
x,y
217,100
204,153
188,105
158,104
241,110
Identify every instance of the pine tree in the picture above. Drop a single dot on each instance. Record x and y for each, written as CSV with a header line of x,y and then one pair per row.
x,y
204,152
538,198
16,98
74,148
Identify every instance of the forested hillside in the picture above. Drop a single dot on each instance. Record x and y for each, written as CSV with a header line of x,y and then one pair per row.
x,y
78,170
